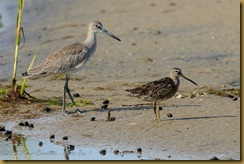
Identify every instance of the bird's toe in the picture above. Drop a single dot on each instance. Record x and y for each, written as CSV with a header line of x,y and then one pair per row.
x,y
79,111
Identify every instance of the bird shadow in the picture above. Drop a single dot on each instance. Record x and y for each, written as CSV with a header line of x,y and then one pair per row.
x,y
140,107
146,107
200,117
150,107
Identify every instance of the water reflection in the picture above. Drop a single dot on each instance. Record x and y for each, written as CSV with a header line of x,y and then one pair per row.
x,y
18,144
19,147
17,141
67,151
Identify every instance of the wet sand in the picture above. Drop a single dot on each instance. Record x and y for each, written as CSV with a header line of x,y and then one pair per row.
x,y
200,37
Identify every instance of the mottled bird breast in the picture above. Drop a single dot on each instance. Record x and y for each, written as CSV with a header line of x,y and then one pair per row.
x,y
157,90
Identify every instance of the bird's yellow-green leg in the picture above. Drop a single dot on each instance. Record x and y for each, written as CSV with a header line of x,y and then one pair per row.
x,y
158,115
155,106
156,111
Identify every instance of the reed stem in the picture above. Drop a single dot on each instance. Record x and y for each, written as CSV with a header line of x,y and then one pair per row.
x,y
19,20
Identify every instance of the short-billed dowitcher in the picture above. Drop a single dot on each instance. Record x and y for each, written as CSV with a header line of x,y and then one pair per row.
x,y
70,59
159,90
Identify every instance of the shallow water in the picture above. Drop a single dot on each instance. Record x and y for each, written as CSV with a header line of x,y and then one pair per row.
x,y
15,149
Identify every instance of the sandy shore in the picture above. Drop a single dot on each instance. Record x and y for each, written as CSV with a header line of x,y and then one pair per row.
x,y
200,37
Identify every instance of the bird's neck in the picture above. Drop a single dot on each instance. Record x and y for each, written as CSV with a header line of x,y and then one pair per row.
x,y
177,81
91,40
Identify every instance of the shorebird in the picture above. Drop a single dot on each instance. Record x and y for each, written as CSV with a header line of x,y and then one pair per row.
x,y
70,59
159,90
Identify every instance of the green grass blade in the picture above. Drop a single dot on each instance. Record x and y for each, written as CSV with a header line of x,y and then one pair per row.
x,y
27,154
20,4
24,83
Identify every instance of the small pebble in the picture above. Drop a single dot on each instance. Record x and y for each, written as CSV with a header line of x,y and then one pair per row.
x,y
106,102
21,124
139,150
8,132
103,11
135,28
93,119
76,95
169,115
231,96
65,138
191,95
158,32
160,108
71,147
105,106
24,74
52,137
31,125
116,152
47,109
2,128
112,118
26,123
40,144
152,5
172,4
8,138
214,158
127,151
103,152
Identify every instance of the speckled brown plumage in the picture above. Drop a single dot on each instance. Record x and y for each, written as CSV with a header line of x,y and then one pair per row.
x,y
159,90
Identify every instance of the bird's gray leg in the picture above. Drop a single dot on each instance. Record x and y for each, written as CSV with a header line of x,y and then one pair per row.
x,y
70,96
64,97
66,89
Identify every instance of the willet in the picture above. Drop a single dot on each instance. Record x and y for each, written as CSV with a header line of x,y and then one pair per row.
x,y
159,90
70,59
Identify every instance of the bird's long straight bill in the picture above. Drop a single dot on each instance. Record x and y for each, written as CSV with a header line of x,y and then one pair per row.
x,y
189,80
111,35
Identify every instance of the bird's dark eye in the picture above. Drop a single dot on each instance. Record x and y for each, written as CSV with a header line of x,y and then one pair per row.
x,y
97,26
176,71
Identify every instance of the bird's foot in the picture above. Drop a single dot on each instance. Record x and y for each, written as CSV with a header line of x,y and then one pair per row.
x,y
79,111
157,120
68,113
73,112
